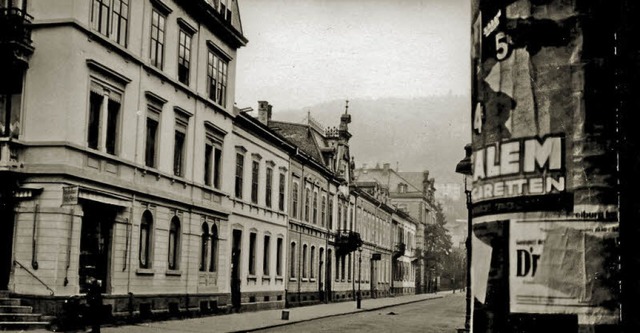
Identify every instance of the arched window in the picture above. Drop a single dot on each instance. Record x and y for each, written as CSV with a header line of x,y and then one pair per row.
x,y
174,243
146,228
213,264
304,260
307,194
315,207
312,263
292,264
204,242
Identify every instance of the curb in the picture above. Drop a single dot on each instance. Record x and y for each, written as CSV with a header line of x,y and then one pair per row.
x,y
336,315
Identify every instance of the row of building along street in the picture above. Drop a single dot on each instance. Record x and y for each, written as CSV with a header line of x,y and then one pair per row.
x,y
123,159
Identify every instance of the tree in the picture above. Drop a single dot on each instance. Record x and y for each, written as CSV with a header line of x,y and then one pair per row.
x,y
437,247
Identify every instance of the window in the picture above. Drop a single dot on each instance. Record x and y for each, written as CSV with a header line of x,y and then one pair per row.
x,y
292,263
98,97
110,18
330,212
281,192
174,238
217,78
323,210
268,187
204,243
312,262
307,194
179,145
255,168
184,56
315,207
342,270
339,214
294,205
157,39
151,142
304,261
252,253
402,188
146,229
213,263
239,171
279,257
212,159
266,253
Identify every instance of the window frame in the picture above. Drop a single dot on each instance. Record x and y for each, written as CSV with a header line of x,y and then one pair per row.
x,y
255,181
279,261
173,255
239,177
180,160
266,255
184,54
108,94
204,247
253,238
112,30
145,245
157,49
217,76
281,191
268,191
151,155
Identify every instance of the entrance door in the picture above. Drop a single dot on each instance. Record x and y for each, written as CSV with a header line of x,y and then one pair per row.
x,y
235,269
328,278
6,244
320,276
95,244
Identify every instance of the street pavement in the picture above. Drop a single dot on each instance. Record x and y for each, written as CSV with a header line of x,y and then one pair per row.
x,y
444,315
271,319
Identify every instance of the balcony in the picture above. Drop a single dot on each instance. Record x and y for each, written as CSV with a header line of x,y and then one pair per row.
x,y
9,155
15,36
399,250
347,241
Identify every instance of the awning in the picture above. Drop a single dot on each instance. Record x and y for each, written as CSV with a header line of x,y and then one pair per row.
x,y
103,198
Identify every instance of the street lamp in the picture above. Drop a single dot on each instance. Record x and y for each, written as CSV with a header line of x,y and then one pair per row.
x,y
464,168
359,295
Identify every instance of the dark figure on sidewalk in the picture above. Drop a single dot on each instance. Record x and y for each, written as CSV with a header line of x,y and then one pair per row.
x,y
94,303
453,285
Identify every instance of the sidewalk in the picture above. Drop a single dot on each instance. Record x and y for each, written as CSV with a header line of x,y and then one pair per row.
x,y
251,321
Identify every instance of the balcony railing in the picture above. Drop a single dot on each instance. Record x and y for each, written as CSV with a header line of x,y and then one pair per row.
x,y
399,250
15,34
9,154
348,241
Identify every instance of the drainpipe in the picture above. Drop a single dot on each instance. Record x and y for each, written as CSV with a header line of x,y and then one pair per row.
x,y
34,238
70,239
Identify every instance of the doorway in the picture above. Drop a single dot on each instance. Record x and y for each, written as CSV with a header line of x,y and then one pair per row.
x,y
7,220
328,279
95,244
236,252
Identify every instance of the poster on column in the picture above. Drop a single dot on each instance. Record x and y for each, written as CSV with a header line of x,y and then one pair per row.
x,y
544,157
563,266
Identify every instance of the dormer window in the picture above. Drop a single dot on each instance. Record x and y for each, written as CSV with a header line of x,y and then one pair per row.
x,y
402,188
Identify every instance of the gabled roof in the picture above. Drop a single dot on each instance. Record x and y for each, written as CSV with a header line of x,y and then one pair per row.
x,y
299,135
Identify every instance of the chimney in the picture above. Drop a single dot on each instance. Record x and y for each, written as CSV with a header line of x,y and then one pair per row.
x,y
264,112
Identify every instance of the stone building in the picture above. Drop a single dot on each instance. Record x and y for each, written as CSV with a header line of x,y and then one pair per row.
x,y
118,161
413,194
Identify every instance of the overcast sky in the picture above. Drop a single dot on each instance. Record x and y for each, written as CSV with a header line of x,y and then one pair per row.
x,y
304,52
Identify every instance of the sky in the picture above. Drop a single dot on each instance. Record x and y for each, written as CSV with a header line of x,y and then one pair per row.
x,y
304,52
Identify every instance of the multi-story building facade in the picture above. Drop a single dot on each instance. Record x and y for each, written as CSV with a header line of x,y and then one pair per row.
x,y
322,236
118,161
259,220
412,193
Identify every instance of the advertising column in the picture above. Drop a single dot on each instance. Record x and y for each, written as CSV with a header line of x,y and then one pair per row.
x,y
544,200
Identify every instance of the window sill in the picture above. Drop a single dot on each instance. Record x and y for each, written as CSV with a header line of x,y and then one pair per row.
x,y
304,280
312,280
266,278
252,277
171,272
145,271
293,279
279,278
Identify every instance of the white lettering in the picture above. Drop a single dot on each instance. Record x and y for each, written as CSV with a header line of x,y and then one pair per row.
x,y
478,165
510,158
493,169
536,154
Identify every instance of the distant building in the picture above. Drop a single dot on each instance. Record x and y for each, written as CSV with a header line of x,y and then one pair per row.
x,y
411,193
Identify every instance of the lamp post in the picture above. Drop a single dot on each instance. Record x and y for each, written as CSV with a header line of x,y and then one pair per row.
x,y
359,295
464,168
